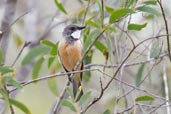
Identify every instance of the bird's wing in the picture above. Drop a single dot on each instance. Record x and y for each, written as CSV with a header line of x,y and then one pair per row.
x,y
59,58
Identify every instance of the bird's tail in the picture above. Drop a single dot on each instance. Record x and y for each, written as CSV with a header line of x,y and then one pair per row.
x,y
76,82
77,93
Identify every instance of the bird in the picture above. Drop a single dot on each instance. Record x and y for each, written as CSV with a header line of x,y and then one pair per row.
x,y
69,52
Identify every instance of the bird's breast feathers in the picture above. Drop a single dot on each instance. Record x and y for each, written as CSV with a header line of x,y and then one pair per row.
x,y
70,54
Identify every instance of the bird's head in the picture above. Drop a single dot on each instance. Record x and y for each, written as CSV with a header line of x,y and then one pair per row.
x,y
72,31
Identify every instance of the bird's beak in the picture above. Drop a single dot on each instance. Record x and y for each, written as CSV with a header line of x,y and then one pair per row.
x,y
82,27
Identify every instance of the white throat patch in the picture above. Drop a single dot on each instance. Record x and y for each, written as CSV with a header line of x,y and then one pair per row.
x,y
76,34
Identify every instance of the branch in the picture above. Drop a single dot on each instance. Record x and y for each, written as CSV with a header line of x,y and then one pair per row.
x,y
20,52
102,12
58,101
166,88
129,85
9,12
133,64
115,74
126,110
166,27
78,64
11,24
152,112
51,76
10,105
84,18
144,77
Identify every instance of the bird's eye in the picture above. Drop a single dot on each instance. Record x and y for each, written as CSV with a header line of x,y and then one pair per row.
x,y
72,28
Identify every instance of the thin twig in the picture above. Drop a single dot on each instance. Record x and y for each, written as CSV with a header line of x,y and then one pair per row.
x,y
55,109
20,52
126,110
144,77
157,108
129,85
84,18
86,70
115,74
132,64
78,64
51,76
102,13
11,24
18,18
10,105
166,27
166,88
107,85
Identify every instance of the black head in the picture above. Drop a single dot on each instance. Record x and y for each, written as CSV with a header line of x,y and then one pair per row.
x,y
72,31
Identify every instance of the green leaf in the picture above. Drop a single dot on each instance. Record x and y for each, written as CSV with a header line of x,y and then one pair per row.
x,y
155,49
139,75
52,45
131,2
1,56
69,105
54,51
70,93
15,83
88,60
35,52
48,43
107,112
37,67
100,46
90,38
136,26
118,14
84,97
52,84
20,105
78,92
92,23
50,61
60,6
150,2
144,98
110,48
6,69
109,9
147,10
5,95
6,78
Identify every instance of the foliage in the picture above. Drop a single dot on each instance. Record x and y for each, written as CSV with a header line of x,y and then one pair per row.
x,y
116,42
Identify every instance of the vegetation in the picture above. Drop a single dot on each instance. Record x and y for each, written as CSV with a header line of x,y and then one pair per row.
x,y
126,55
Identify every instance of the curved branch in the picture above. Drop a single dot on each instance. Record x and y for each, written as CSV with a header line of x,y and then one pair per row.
x,y
166,27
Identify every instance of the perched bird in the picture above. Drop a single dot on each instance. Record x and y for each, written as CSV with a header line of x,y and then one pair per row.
x,y
69,50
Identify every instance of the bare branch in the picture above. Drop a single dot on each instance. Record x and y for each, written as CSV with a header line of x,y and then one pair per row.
x,y
20,52
126,110
129,85
51,76
58,101
166,88
115,74
10,8
157,108
84,18
166,27
102,12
